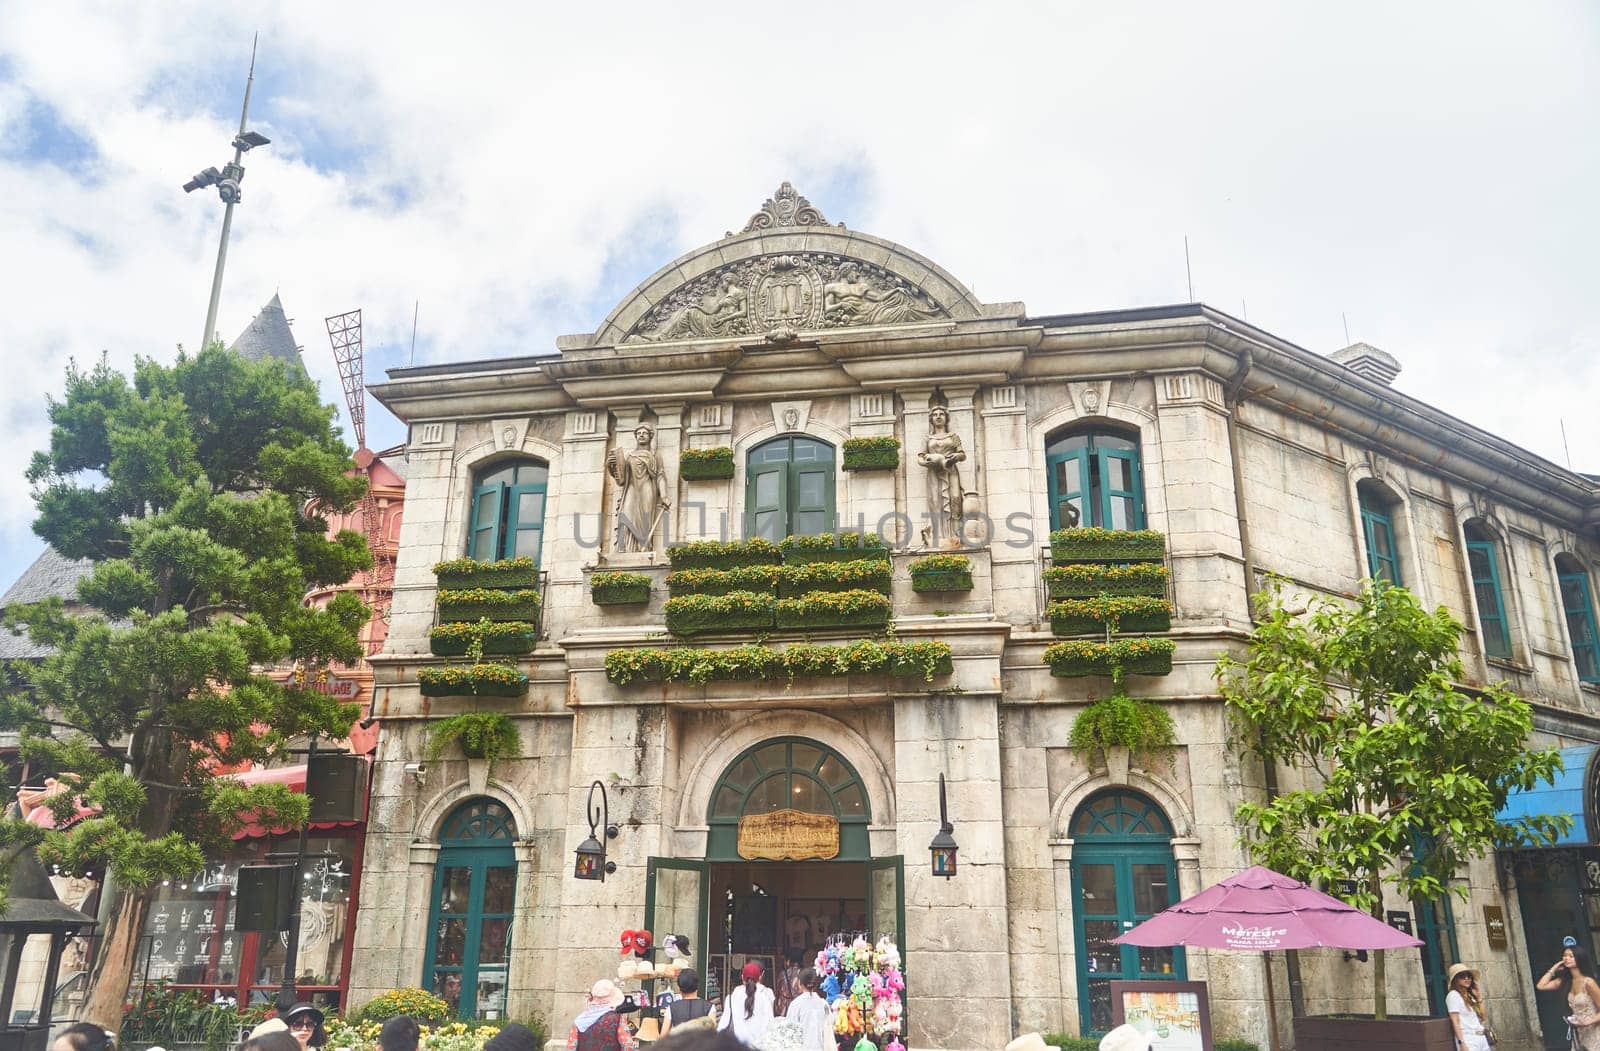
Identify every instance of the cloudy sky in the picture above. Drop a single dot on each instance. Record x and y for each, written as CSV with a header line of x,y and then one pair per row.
x,y
1426,171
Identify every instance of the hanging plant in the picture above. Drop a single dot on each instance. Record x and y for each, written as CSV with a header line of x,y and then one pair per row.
x,y
480,735
723,554
520,572
1087,580
941,573
1099,544
833,547
1077,657
1120,721
871,454
695,465
478,603
1094,616
619,589
503,637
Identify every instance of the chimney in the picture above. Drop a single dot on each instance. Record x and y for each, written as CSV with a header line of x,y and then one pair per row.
x,y
1367,360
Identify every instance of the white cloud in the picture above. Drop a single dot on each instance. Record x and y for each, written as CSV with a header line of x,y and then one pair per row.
x,y
1427,171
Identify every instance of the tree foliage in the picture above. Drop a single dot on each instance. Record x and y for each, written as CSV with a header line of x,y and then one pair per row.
x,y
198,488
1403,771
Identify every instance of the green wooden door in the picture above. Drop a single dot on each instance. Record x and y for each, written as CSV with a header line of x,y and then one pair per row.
x,y
789,488
1123,873
471,910
677,901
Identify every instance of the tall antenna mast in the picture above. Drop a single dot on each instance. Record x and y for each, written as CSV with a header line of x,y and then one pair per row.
x,y
227,183
344,332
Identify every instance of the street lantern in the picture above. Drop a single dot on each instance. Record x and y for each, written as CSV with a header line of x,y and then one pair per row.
x,y
592,863
943,848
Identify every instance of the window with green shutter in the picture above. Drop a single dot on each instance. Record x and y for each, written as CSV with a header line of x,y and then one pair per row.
x,y
1577,602
789,488
1484,564
508,511
1377,525
1095,480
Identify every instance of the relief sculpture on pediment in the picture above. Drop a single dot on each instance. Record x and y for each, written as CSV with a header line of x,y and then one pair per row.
x,y
797,291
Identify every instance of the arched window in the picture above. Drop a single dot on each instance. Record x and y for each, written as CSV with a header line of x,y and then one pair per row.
x,y
508,510
789,488
1095,480
1123,873
1484,563
790,773
469,920
1577,601
1377,527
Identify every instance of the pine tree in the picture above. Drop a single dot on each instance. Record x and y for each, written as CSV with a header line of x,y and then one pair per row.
x,y
198,489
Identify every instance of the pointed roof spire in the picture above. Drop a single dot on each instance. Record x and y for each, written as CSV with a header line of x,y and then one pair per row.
x,y
269,336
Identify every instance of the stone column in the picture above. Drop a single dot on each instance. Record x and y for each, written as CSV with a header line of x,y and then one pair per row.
x,y
707,505
576,520
915,404
1066,934
1009,502
431,512
1030,883
962,994
669,441
871,503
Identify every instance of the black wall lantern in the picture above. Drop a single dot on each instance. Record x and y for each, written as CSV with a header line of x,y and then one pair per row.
x,y
943,846
592,863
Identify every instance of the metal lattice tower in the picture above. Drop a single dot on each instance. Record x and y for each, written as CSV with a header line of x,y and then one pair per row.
x,y
344,331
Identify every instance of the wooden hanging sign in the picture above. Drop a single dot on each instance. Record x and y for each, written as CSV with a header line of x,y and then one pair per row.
x,y
788,835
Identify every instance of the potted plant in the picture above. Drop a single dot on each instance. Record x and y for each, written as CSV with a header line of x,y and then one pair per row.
x,y
697,465
941,573
457,604
472,680
1071,658
871,454
834,609
733,612
619,589
1094,543
833,547
1120,725
723,554
520,572
457,638
483,737
1413,770
1086,580
1105,613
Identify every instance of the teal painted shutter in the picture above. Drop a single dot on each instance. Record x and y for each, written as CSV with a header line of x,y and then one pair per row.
x,y
524,521
1579,606
483,540
811,498
1486,587
1120,489
1068,481
1381,559
766,499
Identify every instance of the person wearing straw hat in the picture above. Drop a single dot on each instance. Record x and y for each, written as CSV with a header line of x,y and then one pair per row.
x,y
1464,1004
599,1027
1127,1038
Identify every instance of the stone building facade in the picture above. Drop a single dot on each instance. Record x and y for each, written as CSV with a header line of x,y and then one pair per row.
x,y
783,342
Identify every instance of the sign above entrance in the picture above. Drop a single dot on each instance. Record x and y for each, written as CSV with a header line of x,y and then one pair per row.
x,y
788,835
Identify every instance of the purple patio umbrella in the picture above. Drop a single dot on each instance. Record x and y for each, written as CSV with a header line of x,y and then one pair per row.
x,y
1262,910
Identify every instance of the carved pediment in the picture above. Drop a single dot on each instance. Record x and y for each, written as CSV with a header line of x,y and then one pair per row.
x,y
802,291
785,208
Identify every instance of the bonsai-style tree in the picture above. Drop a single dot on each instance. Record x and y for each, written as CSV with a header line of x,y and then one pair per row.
x,y
195,488
1403,772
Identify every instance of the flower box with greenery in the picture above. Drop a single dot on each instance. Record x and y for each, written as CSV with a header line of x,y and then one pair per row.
x,y
723,554
1094,543
1090,579
1093,616
619,589
751,661
760,579
941,573
834,609
478,603
1075,657
479,735
871,454
1120,721
504,637
862,574
737,611
699,465
472,680
833,547
470,573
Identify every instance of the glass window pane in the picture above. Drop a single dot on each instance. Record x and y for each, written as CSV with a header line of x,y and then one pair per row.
x,y
773,757
805,794
502,476
1100,1005
811,451
1154,961
885,903
1069,513
530,508
1119,473
533,474
451,945
1100,955
493,940
499,888
806,757
776,452
832,772
491,992
1152,889
528,542
811,492
483,545
810,523
747,773
1382,539
727,803
1478,559
447,986
1071,443
1069,479
767,489
1121,513
1099,884
851,802
769,526
768,796
455,889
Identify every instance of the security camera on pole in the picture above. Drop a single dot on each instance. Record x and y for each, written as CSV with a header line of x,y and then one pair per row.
x,y
227,183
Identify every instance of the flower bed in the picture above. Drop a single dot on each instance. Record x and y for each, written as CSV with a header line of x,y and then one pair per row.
x,y
1076,657
941,573
472,680
619,589
871,454
735,611
1090,579
1093,543
1090,616
834,609
723,554
698,465
476,603
470,573
507,636
833,547
700,666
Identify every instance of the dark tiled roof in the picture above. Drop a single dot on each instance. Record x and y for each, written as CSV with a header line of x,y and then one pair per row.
x,y
51,575
269,336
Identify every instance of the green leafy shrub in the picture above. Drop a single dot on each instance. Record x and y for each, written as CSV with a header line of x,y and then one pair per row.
x,y
1097,543
759,579
735,611
941,573
423,1006
472,680
161,1015
1142,656
505,637
787,580
700,666
475,603
520,572
1090,579
833,547
1092,616
480,735
871,454
834,609
619,589
723,554
1123,721
701,464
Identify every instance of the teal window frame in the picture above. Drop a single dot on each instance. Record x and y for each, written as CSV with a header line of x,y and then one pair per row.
x,y
794,511
1483,565
762,763
478,836
1577,602
1125,832
497,529
1376,524
1081,474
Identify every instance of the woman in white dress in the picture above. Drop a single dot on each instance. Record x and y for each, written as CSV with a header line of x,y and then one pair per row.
x,y
748,1011
811,1011
1465,1008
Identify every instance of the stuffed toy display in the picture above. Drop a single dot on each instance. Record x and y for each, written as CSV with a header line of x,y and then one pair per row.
x,y
864,985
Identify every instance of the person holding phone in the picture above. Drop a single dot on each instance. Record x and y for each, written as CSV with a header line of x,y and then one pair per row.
x,y
1573,975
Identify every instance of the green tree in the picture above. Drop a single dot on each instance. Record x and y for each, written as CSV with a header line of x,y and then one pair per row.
x,y
195,487
1402,772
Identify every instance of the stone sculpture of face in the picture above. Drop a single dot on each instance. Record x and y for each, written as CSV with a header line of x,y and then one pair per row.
x,y
938,418
644,436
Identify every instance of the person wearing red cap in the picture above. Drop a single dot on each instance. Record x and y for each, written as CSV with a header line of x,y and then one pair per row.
x,y
749,1009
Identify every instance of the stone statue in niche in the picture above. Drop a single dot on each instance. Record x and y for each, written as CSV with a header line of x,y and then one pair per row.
x,y
942,455
641,491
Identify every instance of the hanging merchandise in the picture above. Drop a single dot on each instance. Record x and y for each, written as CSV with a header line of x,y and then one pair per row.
x,y
865,987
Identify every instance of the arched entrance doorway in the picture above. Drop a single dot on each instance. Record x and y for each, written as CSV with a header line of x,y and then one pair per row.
x,y
469,919
1122,874
787,863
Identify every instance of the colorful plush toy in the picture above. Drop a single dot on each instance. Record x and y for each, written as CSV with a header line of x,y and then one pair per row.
x,y
892,1025
894,1044
888,954
865,1045
830,988
861,990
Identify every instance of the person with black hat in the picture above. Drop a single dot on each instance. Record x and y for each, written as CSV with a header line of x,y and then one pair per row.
x,y
305,1025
